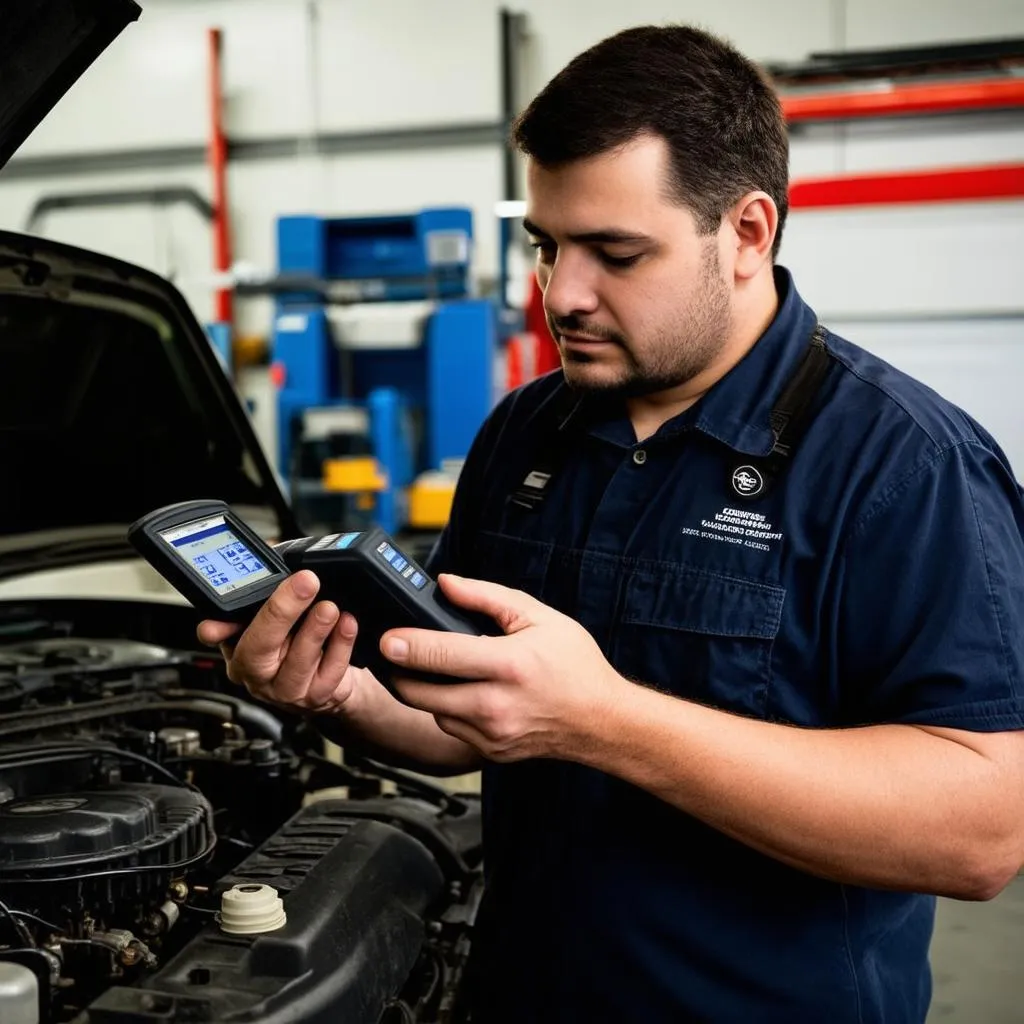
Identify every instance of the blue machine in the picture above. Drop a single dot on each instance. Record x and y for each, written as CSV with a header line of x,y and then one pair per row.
x,y
423,390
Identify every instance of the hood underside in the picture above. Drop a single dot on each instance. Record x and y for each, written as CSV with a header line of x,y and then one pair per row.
x,y
45,45
112,402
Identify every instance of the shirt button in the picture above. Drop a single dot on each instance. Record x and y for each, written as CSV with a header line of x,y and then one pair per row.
x,y
639,456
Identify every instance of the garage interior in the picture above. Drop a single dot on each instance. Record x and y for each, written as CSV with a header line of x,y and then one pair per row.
x,y
328,185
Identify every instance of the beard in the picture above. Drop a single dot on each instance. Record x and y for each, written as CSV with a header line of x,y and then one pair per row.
x,y
674,356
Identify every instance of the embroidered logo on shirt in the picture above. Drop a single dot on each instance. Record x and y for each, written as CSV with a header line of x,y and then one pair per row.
x,y
747,481
736,526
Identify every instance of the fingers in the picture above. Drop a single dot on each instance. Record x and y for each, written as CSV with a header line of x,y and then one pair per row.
x,y
269,659
291,653
266,639
466,702
270,627
511,609
294,675
476,713
461,730
213,633
448,654
334,661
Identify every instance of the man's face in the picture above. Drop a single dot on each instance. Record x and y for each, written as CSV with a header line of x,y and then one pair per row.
x,y
634,295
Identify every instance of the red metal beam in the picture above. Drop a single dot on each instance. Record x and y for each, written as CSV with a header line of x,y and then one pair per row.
x,y
933,98
218,159
949,184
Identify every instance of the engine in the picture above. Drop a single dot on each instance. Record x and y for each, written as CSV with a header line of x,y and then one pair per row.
x,y
172,851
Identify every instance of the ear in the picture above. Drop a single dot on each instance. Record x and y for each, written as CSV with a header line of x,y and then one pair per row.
x,y
754,220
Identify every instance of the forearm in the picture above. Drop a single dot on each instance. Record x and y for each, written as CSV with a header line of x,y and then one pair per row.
x,y
385,728
886,806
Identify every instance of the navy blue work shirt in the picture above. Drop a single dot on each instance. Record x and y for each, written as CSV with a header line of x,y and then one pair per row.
x,y
881,580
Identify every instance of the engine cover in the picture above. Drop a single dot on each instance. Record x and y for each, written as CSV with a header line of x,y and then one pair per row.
x,y
128,825
110,848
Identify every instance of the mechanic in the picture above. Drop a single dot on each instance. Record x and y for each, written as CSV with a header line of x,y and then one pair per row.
x,y
760,693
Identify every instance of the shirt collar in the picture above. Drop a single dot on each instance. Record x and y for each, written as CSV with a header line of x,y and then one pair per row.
x,y
736,410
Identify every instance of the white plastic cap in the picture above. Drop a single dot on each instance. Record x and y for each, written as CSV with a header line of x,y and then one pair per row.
x,y
19,994
251,909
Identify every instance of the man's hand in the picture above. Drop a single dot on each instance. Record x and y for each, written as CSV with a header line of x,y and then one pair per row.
x,y
307,669
534,692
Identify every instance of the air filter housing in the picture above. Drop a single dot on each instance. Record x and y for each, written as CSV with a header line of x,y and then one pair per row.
x,y
122,842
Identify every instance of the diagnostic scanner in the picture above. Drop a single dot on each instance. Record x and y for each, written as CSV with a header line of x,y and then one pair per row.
x,y
226,571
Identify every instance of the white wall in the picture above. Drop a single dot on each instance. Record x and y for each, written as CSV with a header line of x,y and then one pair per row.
x,y
301,67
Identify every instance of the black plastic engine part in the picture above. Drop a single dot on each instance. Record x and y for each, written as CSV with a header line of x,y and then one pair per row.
x,y
357,895
130,825
104,848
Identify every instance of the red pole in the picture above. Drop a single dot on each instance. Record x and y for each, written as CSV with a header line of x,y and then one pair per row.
x,y
932,185
929,98
218,158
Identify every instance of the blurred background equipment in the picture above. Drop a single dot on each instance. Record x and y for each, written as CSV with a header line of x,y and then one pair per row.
x,y
385,365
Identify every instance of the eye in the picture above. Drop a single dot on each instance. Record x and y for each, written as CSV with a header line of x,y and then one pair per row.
x,y
618,261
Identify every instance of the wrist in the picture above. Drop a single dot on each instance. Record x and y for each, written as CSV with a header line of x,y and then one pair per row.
x,y
604,725
356,705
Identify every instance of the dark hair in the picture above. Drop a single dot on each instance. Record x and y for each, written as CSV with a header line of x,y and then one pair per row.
x,y
715,108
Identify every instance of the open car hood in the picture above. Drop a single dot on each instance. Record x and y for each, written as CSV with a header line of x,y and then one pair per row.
x,y
45,45
112,403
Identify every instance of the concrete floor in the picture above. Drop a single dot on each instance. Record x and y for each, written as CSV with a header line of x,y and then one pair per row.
x,y
978,960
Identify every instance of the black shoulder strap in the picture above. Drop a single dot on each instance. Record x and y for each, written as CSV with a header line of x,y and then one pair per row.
x,y
788,417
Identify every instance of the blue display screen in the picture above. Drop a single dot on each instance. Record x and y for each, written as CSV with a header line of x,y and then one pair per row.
x,y
215,553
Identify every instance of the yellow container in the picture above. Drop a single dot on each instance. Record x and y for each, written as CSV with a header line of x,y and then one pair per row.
x,y
430,501
353,474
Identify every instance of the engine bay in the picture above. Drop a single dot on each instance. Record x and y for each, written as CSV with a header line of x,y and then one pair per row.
x,y
138,786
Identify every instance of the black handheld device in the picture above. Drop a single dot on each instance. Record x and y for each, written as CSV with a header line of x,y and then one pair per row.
x,y
214,559
211,556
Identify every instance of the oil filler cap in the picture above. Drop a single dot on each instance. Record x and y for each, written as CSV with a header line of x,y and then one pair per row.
x,y
251,909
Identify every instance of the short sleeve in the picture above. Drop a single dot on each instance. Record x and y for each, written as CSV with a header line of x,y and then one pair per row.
x,y
930,623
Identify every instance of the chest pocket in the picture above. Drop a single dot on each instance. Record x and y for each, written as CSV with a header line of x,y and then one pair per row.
x,y
700,635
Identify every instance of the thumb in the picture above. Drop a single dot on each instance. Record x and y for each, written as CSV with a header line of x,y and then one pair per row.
x,y
513,610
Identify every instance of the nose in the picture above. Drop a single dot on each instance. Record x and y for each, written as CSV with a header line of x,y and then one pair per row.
x,y
568,289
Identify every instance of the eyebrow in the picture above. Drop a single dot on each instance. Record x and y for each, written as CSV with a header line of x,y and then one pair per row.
x,y
606,235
